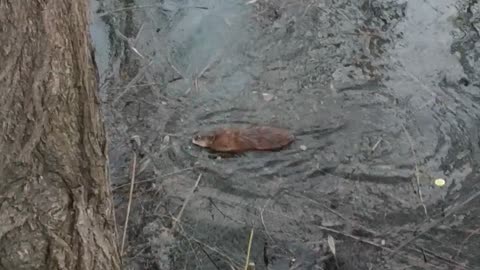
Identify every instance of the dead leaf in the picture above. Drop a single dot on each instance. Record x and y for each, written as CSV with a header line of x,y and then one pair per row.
x,y
267,97
331,245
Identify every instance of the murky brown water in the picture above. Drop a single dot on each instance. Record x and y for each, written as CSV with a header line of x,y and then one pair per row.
x,y
382,96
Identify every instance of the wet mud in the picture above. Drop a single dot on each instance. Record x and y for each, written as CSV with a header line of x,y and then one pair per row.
x,y
381,95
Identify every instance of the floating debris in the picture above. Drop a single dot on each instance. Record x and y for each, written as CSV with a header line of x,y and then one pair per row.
x,y
331,245
267,97
439,182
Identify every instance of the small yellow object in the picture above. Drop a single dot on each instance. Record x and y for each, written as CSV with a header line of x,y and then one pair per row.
x,y
439,182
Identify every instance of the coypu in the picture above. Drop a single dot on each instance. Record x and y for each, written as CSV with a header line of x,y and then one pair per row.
x,y
239,140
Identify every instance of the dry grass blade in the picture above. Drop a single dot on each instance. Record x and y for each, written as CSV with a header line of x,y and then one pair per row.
x,y
376,145
132,184
247,260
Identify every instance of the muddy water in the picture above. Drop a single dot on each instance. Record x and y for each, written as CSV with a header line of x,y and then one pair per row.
x,y
381,95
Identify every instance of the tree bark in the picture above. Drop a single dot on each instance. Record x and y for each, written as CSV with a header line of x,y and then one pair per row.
x,y
56,209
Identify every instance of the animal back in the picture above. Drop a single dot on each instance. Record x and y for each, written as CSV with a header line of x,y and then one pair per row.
x,y
256,138
266,138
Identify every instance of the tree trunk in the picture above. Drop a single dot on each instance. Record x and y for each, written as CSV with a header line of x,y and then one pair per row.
x,y
56,210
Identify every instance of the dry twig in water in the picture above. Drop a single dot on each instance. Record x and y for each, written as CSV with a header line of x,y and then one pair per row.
x,y
434,223
130,43
350,222
155,178
228,259
417,172
263,220
199,75
174,68
431,253
477,231
133,81
179,216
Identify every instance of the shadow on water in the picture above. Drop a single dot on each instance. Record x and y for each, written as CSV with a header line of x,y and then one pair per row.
x,y
381,95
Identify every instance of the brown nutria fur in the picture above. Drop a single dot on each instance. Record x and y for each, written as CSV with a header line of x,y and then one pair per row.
x,y
238,140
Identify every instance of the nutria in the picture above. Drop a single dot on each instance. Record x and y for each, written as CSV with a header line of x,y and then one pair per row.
x,y
239,140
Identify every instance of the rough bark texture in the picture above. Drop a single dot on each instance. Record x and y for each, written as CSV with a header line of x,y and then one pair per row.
x,y
55,198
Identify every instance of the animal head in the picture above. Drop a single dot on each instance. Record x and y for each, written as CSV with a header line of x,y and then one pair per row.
x,y
203,140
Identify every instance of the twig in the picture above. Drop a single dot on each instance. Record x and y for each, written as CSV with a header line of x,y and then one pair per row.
x,y
247,260
465,241
360,239
136,85
155,178
227,259
225,256
307,8
174,68
133,81
223,214
132,182
195,83
199,75
130,43
337,214
436,222
160,6
107,174
433,254
349,236
190,243
179,216
263,221
130,8
208,256
376,145
138,33
209,64
417,173
140,252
